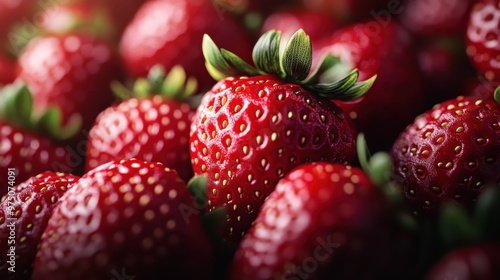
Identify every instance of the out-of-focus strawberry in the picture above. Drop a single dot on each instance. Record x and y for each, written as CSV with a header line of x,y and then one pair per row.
x,y
12,12
169,32
7,70
356,10
27,210
125,217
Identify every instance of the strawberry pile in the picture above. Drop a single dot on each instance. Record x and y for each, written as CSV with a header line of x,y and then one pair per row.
x,y
250,139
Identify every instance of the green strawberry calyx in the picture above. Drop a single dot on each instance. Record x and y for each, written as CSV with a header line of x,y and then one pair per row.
x,y
291,62
174,85
16,107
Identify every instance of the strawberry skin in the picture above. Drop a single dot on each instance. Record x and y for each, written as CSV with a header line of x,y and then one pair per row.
x,y
151,129
169,32
463,263
33,203
125,217
323,221
31,154
483,45
448,154
72,72
7,70
249,132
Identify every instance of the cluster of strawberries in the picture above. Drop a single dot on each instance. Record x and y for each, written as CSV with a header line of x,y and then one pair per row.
x,y
219,139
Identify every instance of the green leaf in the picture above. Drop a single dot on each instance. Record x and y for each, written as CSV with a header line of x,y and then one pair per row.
x,y
198,188
336,89
327,62
380,168
456,227
487,212
358,90
156,77
297,56
266,53
239,64
50,122
121,91
214,57
173,84
496,95
363,152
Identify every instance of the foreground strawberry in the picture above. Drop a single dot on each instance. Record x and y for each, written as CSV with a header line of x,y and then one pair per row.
x,y
152,124
164,32
249,131
448,154
477,262
125,217
72,72
323,221
483,45
24,214
30,143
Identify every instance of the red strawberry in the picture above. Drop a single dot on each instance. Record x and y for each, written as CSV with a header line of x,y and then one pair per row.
x,y
477,262
323,221
72,72
7,70
32,144
396,98
12,12
249,132
316,24
436,17
150,127
27,208
448,154
248,6
483,39
125,217
168,32
355,10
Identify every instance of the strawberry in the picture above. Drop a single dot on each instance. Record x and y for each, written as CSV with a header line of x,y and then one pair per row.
x,y
32,144
380,49
436,17
7,70
153,126
478,262
482,38
253,6
27,208
316,24
323,221
72,72
124,217
249,131
13,11
448,154
164,32
355,10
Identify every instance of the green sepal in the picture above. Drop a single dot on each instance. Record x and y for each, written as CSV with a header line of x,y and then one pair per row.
x,y
487,212
328,62
266,53
214,57
174,85
197,186
496,95
16,107
297,56
377,166
239,64
337,88
457,228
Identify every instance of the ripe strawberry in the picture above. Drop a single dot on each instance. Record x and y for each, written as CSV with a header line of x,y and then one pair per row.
x,y
164,32
381,49
32,144
436,17
7,70
154,126
478,262
13,11
448,154
483,45
253,6
316,24
72,72
27,209
353,10
323,221
248,132
125,217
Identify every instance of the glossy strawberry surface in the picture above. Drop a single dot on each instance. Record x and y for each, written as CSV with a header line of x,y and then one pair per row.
x,y
27,208
125,217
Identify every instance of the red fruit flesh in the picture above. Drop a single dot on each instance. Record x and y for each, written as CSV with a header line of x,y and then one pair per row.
x,y
170,32
33,202
396,97
152,129
483,39
249,132
31,154
125,217
448,154
72,72
323,221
